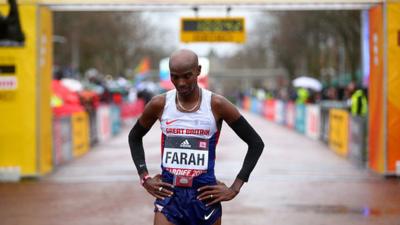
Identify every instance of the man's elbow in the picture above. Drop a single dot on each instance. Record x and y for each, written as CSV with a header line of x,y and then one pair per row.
x,y
261,146
134,138
258,146
131,137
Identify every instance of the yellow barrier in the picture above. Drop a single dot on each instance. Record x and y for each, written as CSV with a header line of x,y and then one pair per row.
x,y
25,113
80,133
339,131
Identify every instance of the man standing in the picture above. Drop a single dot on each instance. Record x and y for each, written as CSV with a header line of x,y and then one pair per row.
x,y
357,100
187,192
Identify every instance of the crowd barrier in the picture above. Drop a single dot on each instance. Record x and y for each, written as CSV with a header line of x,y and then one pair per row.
x,y
269,110
290,116
325,107
71,137
357,140
80,133
103,123
280,112
131,110
313,121
329,122
62,140
115,113
74,134
93,137
339,131
300,118
324,121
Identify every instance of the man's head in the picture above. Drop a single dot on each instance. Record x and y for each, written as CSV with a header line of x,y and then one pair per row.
x,y
184,69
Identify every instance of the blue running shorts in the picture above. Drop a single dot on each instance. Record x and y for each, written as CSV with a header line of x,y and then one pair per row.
x,y
183,208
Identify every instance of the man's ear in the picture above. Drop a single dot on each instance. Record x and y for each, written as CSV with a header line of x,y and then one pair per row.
x,y
198,70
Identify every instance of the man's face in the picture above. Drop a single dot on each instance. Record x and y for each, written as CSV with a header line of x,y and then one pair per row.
x,y
185,79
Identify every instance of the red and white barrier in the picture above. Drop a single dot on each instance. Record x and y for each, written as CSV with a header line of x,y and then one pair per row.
x,y
313,117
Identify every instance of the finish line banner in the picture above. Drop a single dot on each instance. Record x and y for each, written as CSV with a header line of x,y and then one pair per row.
x,y
230,29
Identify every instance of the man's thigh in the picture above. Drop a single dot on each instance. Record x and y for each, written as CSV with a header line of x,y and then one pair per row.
x,y
218,222
160,219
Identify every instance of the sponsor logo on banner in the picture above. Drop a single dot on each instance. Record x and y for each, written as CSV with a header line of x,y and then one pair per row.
x,y
8,82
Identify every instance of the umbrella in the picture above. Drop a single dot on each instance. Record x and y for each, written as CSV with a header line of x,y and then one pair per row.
x,y
307,82
72,84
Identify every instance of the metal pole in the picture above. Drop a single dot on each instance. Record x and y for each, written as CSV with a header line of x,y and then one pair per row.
x,y
385,87
37,93
75,57
228,11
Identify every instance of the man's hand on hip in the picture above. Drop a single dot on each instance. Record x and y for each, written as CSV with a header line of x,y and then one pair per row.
x,y
157,188
216,193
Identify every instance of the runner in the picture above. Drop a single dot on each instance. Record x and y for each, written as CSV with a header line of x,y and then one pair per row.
x,y
187,192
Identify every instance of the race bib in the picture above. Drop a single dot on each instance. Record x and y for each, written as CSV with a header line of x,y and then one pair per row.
x,y
185,159
185,156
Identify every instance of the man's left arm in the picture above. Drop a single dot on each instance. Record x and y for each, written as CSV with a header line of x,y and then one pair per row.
x,y
229,113
255,146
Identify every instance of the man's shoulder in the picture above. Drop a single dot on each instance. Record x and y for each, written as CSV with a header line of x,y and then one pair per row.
x,y
157,101
223,108
217,100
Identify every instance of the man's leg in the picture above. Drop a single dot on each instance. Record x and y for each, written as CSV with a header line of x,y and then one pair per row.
x,y
160,219
218,222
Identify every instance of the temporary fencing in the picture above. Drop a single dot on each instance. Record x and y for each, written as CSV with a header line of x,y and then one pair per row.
x,y
75,133
62,139
357,140
329,122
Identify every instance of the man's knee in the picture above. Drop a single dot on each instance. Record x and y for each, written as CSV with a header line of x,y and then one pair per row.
x,y
160,219
218,222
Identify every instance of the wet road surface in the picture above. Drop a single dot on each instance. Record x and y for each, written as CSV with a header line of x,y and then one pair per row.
x,y
298,181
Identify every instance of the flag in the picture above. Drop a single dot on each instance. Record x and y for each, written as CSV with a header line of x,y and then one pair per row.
x,y
143,67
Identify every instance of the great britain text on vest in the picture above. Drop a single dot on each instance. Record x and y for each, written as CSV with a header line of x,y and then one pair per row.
x,y
187,131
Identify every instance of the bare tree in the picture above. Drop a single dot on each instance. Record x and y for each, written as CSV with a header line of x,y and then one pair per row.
x,y
254,53
300,41
109,41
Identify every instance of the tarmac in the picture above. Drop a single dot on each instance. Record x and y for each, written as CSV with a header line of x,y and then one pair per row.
x,y
297,181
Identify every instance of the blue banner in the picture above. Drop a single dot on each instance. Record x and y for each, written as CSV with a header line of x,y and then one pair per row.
x,y
300,118
256,106
115,119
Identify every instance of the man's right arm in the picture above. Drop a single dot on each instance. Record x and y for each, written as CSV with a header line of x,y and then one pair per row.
x,y
154,185
151,113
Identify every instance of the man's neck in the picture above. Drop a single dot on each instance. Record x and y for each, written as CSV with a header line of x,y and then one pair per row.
x,y
192,97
